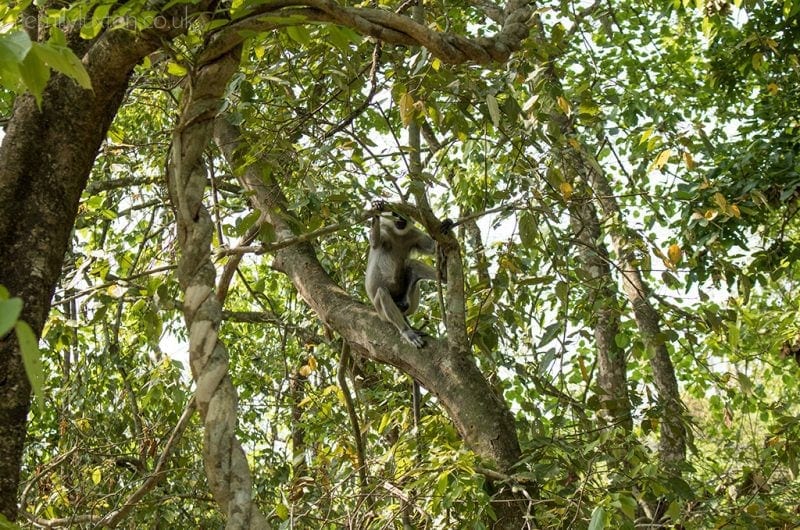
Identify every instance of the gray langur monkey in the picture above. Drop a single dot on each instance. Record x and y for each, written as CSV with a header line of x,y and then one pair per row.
x,y
392,279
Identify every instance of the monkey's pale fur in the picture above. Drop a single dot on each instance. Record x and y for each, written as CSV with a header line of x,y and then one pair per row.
x,y
392,279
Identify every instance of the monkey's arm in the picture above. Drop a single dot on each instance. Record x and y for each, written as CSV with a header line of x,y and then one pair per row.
x,y
421,242
375,232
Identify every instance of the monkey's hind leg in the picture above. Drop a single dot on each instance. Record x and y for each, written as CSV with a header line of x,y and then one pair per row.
x,y
388,311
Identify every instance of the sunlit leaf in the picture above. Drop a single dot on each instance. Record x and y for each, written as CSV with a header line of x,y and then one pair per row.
x,y
176,69
32,360
406,105
9,313
675,253
563,104
494,109
566,190
688,160
661,160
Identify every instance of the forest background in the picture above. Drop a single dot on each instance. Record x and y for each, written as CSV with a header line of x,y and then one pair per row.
x,y
616,344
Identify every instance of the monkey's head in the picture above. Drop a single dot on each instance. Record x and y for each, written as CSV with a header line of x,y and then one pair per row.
x,y
400,222
396,224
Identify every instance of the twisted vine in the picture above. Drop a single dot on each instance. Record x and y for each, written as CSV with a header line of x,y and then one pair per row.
x,y
224,460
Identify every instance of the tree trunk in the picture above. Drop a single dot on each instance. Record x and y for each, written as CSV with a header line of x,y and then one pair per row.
x,y
45,160
672,443
611,363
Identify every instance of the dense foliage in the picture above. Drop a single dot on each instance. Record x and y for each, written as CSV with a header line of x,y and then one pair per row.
x,y
690,113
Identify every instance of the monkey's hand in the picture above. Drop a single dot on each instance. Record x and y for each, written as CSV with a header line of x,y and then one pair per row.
x,y
446,226
379,204
413,338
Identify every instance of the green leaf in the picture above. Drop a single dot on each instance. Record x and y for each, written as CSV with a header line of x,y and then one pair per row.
x,y
62,59
14,46
598,521
733,335
91,29
5,524
527,230
494,109
9,313
562,291
299,34
175,69
674,511
32,359
35,75
628,506
338,38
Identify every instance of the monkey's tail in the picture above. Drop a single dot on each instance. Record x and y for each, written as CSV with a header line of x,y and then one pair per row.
x,y
351,411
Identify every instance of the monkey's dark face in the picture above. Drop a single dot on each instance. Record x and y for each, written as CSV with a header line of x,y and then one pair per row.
x,y
400,222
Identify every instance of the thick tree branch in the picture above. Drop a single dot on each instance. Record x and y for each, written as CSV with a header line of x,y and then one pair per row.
x,y
611,361
386,26
672,443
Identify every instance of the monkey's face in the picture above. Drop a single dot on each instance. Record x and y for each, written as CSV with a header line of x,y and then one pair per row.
x,y
400,222
395,224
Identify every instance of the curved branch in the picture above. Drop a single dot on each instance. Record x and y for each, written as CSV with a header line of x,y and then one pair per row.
x,y
387,26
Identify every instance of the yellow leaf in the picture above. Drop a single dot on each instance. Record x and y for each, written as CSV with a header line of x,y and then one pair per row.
x,y
675,253
312,362
688,160
582,366
757,61
773,89
734,211
97,476
436,64
563,104
115,291
406,109
305,370
646,135
661,159
720,200
176,69
566,190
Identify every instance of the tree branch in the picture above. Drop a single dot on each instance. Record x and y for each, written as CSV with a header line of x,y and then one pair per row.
x,y
387,26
